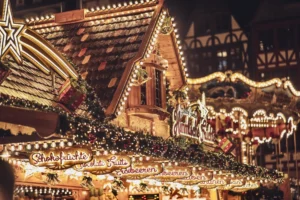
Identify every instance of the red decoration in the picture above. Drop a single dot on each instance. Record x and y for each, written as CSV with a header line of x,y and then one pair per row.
x,y
92,138
226,145
71,95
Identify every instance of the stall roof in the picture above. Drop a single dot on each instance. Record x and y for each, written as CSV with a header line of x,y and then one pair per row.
x,y
105,45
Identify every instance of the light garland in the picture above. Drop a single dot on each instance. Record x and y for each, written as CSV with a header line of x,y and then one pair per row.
x,y
216,75
234,77
148,51
288,85
237,76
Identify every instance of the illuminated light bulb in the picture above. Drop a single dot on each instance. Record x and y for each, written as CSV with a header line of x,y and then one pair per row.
x,y
45,145
133,159
147,158
105,153
141,158
12,148
69,144
28,146
62,144
36,146
53,144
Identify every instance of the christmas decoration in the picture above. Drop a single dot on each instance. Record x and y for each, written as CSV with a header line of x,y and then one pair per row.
x,y
87,182
72,94
226,145
141,77
167,27
115,138
51,178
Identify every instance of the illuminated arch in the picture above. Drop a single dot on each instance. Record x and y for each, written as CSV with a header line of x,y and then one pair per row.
x,y
17,40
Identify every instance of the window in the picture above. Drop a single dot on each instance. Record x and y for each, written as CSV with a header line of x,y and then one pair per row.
x,y
266,40
222,60
143,94
235,58
20,3
158,97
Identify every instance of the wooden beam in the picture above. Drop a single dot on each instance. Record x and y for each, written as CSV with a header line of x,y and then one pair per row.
x,y
25,139
45,123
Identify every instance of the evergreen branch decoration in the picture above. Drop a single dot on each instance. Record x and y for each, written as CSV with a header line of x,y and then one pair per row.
x,y
52,178
110,137
87,182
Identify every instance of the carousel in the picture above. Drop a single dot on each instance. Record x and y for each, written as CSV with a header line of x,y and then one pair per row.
x,y
94,105
248,114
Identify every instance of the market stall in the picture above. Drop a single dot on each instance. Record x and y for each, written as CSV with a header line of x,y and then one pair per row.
x,y
93,105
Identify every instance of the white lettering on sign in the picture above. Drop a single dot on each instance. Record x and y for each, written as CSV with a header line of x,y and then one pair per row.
x,y
104,164
213,182
192,122
195,178
140,171
171,174
60,158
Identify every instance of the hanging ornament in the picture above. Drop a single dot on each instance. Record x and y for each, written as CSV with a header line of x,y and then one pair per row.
x,y
51,178
87,182
141,77
167,26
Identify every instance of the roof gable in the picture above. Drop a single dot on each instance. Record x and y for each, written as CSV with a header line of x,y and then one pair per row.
x,y
108,46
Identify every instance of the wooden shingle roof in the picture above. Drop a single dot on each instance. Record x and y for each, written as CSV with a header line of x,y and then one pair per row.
x,y
104,46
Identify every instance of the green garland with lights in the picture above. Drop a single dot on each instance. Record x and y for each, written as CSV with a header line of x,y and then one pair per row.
x,y
100,134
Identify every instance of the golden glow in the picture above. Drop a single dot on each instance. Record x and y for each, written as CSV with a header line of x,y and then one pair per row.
x,y
53,55
235,77
37,63
11,35
39,54
217,75
289,85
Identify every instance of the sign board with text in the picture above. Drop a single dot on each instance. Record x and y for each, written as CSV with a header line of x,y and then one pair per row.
x,y
195,178
104,164
140,171
192,122
60,158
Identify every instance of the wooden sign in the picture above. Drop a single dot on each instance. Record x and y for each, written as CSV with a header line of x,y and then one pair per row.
x,y
248,186
104,164
60,158
213,183
192,122
140,171
233,183
195,178
170,174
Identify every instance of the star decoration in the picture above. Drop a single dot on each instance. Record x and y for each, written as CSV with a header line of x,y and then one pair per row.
x,y
9,34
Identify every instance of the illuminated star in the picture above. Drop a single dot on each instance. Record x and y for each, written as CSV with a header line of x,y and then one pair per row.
x,y
9,34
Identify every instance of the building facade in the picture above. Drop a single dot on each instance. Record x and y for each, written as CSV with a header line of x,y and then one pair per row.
x,y
275,41
215,41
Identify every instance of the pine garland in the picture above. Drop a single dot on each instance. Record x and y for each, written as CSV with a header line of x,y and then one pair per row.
x,y
109,137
